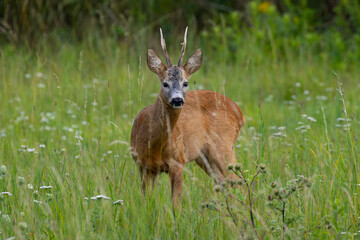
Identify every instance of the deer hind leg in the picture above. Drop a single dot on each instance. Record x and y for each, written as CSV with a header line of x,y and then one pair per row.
x,y
207,163
221,156
147,179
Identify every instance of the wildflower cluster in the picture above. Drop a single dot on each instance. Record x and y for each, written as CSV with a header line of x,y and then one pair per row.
x,y
282,193
237,203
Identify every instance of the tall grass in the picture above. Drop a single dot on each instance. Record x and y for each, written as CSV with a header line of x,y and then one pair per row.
x,y
66,117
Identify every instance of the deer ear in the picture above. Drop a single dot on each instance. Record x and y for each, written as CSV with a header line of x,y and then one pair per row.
x,y
154,63
193,63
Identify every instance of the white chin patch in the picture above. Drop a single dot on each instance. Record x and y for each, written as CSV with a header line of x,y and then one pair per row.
x,y
176,107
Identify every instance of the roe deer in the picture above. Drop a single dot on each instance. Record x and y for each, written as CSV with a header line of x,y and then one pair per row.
x,y
176,130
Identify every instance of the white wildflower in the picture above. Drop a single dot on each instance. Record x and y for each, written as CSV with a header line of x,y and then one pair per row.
x,y
45,187
343,119
6,218
321,98
31,149
311,119
39,74
279,134
6,193
79,138
100,197
119,202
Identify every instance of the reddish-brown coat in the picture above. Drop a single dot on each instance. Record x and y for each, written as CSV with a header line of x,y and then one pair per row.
x,y
204,130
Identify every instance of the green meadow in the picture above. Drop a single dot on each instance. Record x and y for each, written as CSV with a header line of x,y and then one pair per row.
x,y
66,118
66,113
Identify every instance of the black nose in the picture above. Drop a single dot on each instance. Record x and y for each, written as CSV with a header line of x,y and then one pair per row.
x,y
177,102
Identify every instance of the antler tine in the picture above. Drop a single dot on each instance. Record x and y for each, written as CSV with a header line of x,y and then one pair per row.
x,y
163,45
183,48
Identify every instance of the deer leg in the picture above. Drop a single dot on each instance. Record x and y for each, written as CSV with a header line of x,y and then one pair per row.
x,y
207,164
176,178
220,162
147,177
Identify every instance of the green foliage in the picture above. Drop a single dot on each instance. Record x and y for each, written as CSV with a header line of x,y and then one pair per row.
x,y
328,27
241,205
297,29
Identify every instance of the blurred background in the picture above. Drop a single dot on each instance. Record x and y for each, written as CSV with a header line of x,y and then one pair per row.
x,y
328,27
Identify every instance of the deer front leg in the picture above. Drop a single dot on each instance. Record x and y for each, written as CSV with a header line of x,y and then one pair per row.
x,y
176,178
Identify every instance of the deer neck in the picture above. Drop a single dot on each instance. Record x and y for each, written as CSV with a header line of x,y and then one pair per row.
x,y
167,118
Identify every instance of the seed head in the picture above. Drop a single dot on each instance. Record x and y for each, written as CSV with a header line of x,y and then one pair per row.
x,y
273,184
21,180
262,166
3,170
23,226
233,182
237,167
230,167
217,188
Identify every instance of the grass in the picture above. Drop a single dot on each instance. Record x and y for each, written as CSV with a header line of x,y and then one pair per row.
x,y
66,117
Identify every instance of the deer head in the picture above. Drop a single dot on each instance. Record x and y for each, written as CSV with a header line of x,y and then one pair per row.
x,y
174,78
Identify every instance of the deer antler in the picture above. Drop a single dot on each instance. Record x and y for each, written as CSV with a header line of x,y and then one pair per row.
x,y
183,48
163,45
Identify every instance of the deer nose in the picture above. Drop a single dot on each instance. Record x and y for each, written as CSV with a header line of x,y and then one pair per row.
x,y
177,102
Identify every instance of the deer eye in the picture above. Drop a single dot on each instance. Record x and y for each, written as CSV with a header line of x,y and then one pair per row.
x,y
185,84
165,85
